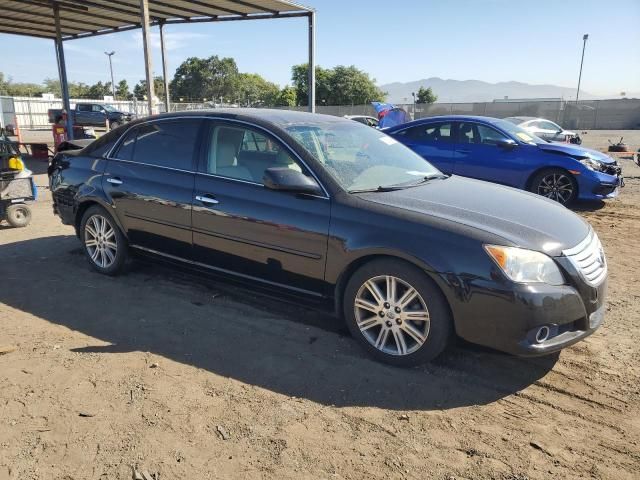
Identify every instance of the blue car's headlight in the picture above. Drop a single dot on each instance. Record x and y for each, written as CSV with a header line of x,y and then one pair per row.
x,y
591,164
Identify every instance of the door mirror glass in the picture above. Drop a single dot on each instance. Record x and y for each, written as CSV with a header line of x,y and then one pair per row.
x,y
288,180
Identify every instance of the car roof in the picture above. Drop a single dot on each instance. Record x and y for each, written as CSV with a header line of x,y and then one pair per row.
x,y
282,118
444,118
524,119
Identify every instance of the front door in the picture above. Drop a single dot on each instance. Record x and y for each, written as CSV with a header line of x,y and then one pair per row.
x,y
243,227
433,142
150,183
478,155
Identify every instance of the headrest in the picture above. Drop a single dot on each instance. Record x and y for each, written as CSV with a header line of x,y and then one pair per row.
x,y
225,155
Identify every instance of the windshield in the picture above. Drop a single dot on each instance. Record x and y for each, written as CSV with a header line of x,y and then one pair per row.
x,y
109,108
518,132
360,157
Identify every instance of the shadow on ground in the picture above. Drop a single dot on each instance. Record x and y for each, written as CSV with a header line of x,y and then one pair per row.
x,y
235,333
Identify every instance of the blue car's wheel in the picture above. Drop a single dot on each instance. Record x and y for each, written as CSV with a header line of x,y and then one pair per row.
x,y
555,184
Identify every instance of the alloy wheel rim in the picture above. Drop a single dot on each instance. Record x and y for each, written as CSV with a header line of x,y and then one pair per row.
x,y
556,186
391,315
100,241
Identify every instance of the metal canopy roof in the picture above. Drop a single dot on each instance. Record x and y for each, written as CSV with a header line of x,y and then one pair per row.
x,y
81,19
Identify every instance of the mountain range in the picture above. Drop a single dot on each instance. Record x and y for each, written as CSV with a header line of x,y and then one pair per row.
x,y
478,91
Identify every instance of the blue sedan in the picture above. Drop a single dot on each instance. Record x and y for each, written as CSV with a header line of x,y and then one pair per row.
x,y
498,151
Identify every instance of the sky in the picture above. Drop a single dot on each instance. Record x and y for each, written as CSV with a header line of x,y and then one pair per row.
x,y
394,41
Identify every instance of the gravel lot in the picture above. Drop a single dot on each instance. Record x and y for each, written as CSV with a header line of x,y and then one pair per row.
x,y
165,372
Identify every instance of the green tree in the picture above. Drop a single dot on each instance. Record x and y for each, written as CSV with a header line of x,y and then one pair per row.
x,y
212,78
140,89
286,97
253,90
337,86
122,90
426,95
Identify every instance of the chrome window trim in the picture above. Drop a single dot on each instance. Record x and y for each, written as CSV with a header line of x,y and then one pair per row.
x,y
116,145
151,165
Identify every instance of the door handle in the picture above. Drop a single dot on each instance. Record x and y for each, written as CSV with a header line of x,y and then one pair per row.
x,y
207,200
114,181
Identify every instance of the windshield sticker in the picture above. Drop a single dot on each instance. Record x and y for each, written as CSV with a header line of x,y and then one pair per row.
x,y
524,137
388,140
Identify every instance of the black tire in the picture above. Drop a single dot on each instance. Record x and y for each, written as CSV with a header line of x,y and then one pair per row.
x,y
18,215
555,184
439,327
114,124
118,263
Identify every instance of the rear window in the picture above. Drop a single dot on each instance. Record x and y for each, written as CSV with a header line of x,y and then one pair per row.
x,y
101,146
169,143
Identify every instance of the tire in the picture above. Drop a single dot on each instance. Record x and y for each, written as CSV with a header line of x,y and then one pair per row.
x,y
114,124
555,184
407,342
103,243
18,215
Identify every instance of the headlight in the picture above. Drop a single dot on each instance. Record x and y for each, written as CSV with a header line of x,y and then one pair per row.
x,y
525,266
591,164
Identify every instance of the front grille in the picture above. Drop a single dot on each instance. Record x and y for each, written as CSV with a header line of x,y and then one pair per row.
x,y
588,258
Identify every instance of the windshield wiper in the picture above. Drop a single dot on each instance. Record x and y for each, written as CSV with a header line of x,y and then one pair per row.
x,y
400,186
376,189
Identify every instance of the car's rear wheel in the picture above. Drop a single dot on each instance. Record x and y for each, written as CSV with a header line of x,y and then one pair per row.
x,y
18,215
397,313
104,244
555,184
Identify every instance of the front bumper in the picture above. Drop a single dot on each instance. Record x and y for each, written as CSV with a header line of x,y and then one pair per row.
x,y
507,316
600,185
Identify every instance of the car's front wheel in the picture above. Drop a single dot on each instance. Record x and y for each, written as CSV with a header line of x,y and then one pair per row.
x,y
397,313
556,184
104,244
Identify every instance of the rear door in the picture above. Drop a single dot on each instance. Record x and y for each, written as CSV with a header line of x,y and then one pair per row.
x,y
477,155
150,181
243,227
83,114
432,141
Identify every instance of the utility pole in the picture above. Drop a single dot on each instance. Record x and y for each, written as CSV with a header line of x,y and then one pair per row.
x,y
584,44
113,85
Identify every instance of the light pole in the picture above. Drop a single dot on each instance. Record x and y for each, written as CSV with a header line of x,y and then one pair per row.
x,y
113,86
584,44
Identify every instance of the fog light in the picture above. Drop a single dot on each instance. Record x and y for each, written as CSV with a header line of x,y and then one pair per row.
x,y
542,334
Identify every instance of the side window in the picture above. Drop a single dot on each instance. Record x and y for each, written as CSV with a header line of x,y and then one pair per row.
x,y
169,143
244,153
432,132
96,108
488,136
83,107
101,146
548,126
479,134
126,148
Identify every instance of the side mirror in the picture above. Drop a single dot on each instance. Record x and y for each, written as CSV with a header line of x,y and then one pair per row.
x,y
506,143
288,180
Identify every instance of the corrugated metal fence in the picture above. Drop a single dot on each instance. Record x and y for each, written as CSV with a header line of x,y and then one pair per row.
x,y
619,114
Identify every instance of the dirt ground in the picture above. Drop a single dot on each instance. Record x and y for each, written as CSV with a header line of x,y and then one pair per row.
x,y
185,377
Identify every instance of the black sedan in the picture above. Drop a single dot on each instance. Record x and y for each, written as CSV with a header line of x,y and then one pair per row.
x,y
340,214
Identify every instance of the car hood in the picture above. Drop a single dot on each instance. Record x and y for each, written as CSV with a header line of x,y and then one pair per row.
x,y
575,151
521,218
